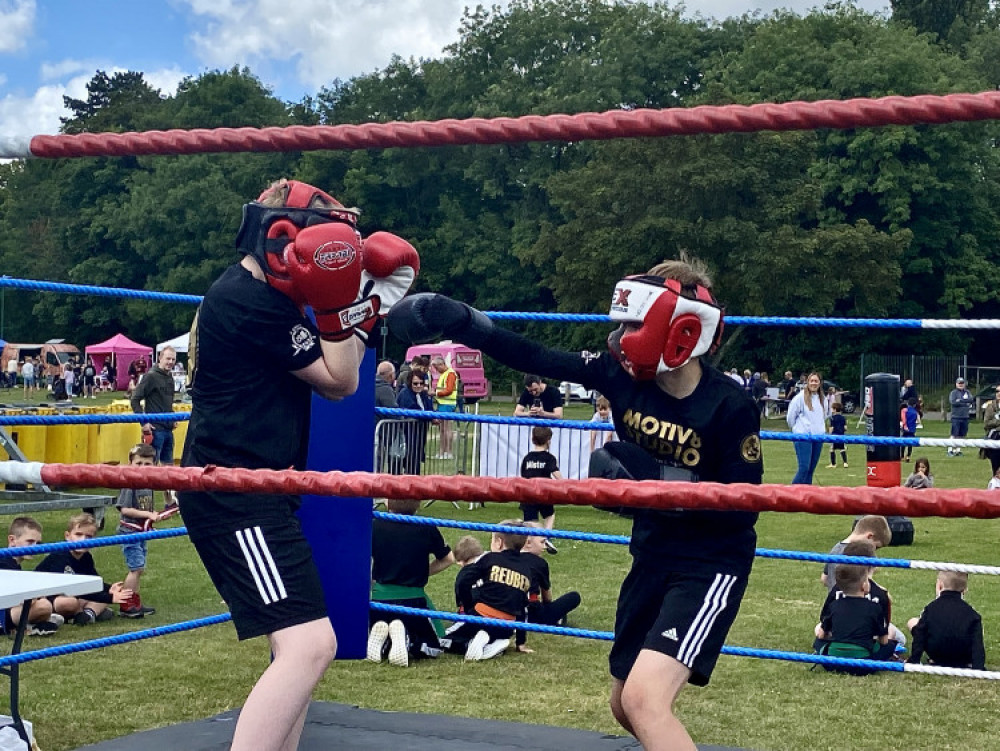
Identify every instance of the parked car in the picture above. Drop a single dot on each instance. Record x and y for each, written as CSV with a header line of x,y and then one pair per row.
x,y
576,392
849,400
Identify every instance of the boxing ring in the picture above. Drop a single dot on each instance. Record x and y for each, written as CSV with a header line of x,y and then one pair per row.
x,y
331,724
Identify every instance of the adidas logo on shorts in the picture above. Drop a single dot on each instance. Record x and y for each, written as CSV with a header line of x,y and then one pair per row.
x,y
670,633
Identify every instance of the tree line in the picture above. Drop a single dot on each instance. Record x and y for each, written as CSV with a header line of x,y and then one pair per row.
x,y
873,222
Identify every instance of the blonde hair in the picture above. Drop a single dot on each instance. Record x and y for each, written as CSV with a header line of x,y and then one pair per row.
x,y
953,581
81,520
689,271
467,548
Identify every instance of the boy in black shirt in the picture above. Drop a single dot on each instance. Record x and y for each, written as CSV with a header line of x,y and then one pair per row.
x,y
258,360
500,583
949,630
541,607
680,419
93,606
854,621
540,462
400,570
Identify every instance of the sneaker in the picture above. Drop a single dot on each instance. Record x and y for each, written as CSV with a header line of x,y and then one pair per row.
x,y
399,654
84,618
57,619
474,652
951,451
107,614
140,612
549,547
495,648
45,628
376,640
845,465
831,466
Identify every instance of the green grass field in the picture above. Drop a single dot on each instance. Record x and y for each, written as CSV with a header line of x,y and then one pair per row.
x,y
756,704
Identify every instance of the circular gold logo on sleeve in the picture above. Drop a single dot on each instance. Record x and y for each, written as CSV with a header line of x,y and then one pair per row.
x,y
750,449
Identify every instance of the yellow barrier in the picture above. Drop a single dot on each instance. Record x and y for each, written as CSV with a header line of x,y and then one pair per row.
x,y
31,440
88,443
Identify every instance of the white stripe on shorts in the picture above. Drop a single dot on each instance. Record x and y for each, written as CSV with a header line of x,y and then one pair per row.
x,y
714,603
261,564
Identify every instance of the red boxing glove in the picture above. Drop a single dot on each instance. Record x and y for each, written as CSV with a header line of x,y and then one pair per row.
x,y
323,263
390,266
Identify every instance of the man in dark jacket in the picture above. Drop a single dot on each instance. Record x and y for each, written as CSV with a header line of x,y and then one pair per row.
x,y
155,395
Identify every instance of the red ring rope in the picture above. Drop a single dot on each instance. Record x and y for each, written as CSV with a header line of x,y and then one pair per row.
x,y
978,504
851,113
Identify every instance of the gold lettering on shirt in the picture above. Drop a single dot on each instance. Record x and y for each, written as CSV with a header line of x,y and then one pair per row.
x,y
666,439
509,577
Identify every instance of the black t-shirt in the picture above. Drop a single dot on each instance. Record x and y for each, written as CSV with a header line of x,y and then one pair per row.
x,y
400,552
9,564
466,585
876,594
64,562
550,398
248,409
855,620
950,631
713,434
538,464
505,579
539,576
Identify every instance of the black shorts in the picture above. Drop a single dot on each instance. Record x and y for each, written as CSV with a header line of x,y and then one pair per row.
x,y
265,573
683,615
531,511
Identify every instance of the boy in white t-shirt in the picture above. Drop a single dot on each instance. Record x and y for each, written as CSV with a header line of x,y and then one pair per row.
x,y
602,417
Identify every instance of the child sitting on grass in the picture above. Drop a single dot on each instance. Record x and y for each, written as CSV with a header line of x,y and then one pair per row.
x,y
854,626
91,607
24,532
949,630
500,581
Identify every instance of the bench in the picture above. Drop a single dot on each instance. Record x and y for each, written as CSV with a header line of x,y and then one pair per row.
x,y
20,502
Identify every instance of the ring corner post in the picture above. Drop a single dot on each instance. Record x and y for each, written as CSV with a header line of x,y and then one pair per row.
x,y
340,529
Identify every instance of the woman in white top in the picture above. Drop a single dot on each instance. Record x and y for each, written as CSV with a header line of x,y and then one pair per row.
x,y
806,417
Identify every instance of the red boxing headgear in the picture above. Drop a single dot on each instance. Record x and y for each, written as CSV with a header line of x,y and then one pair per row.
x,y
671,329
266,230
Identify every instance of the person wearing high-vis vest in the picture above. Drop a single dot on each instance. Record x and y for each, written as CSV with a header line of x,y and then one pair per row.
x,y
446,394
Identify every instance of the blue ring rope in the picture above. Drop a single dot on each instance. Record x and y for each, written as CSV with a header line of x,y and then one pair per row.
x,y
100,419
136,294
767,654
84,646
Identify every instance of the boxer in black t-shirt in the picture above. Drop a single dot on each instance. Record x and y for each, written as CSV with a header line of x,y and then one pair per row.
x,y
678,419
257,361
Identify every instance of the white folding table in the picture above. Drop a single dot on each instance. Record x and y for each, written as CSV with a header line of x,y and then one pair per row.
x,y
20,588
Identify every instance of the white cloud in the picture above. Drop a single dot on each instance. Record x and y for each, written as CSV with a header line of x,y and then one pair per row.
x,y
17,17
38,114
63,68
326,41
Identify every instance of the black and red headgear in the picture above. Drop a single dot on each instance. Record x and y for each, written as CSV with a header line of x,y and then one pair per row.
x,y
266,230
662,329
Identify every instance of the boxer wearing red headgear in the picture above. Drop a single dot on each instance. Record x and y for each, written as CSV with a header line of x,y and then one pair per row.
x,y
678,419
306,244
259,360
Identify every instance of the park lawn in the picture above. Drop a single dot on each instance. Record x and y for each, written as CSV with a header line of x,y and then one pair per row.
x,y
752,703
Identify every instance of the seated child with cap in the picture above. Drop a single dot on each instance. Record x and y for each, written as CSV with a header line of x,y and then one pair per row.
x,y
542,608
949,630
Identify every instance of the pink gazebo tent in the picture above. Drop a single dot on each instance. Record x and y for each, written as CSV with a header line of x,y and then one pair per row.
x,y
122,351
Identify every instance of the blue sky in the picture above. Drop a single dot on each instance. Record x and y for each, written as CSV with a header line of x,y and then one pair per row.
x,y
51,48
